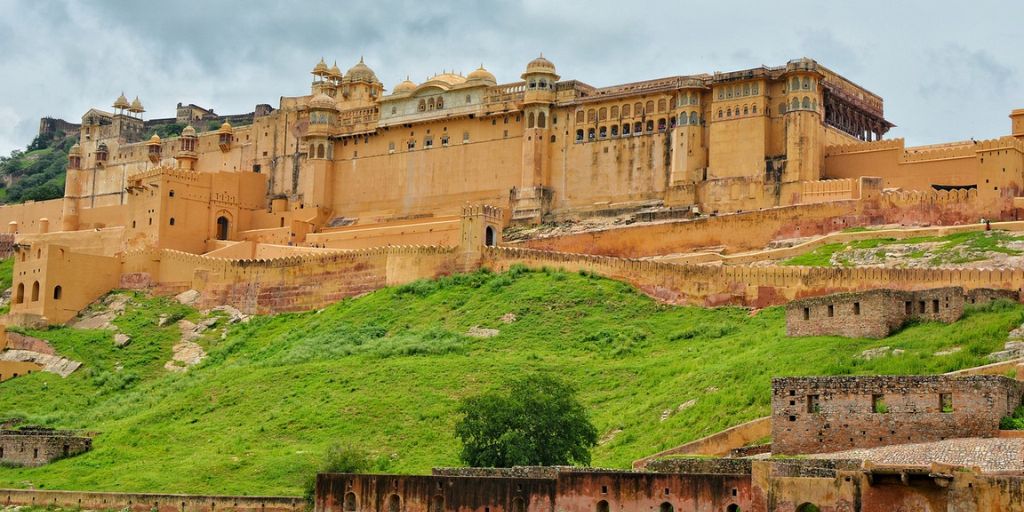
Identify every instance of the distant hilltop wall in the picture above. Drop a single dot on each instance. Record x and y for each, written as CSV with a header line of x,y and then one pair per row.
x,y
147,502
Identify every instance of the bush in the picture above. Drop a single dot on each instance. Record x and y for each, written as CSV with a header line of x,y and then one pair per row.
x,y
1014,421
534,420
339,459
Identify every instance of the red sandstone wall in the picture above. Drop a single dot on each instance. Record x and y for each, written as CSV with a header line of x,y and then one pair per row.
x,y
144,502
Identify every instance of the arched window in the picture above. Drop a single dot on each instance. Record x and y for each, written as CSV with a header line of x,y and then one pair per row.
x,y
693,98
489,239
807,102
591,116
35,291
746,110
814,104
579,135
350,502
530,120
736,90
533,84
650,125
649,107
746,89
590,134
794,84
172,221
807,84
625,129
57,292
19,296
754,89
541,120
666,507
469,99
615,130
719,113
394,503
638,109
625,110
728,112
753,109
683,119
440,103
436,504
423,105
518,505
603,132
615,112
662,105
638,127
693,118
430,104
320,151
602,506
170,193
795,104
808,507
222,227
579,116
733,508
782,107
661,124
728,93
602,114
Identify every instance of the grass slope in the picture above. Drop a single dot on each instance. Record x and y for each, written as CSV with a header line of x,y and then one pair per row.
x,y
384,371
954,249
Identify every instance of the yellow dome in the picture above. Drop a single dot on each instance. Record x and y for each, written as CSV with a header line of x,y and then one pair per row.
x,y
323,102
320,68
121,102
447,78
136,106
334,72
226,128
405,86
482,74
540,65
361,72
189,131
154,140
75,150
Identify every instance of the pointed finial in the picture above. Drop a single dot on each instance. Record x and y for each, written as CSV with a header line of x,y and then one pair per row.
x,y
360,59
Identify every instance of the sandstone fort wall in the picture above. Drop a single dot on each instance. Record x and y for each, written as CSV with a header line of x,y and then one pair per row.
x,y
149,502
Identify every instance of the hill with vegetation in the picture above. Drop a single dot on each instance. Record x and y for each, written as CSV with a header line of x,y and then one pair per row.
x,y
991,249
385,372
38,173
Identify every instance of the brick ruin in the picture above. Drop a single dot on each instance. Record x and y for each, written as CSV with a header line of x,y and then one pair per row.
x,y
831,414
39,446
880,312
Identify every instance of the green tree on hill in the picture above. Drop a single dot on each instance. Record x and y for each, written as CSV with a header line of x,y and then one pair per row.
x,y
534,421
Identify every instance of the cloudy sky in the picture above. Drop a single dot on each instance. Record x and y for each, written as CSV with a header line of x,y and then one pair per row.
x,y
947,70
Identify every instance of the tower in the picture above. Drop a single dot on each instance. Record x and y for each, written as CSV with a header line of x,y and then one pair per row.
x,y
187,156
1017,123
803,121
359,86
323,113
72,192
532,199
480,227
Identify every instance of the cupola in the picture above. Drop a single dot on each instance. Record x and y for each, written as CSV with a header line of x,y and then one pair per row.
x,y
154,148
75,157
225,135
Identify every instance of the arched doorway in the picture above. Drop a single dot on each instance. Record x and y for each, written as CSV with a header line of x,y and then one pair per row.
x,y
222,227
808,507
602,506
490,238
57,292
350,498
394,503
19,296
666,507
733,508
518,505
35,291
437,504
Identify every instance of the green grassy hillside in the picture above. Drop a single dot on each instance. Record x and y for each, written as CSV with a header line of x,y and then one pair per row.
x,y
384,371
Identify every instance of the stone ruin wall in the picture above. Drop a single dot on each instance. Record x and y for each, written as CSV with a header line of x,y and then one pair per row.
x,y
148,502
830,414
39,447
873,313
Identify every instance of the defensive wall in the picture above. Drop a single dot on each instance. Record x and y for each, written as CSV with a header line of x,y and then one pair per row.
x,y
718,444
148,502
713,485
752,230
831,414
750,286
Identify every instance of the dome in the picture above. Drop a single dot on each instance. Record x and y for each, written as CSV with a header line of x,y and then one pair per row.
x,y
446,78
482,74
189,131
136,105
405,86
334,72
320,68
121,102
154,140
226,128
361,72
540,65
322,101
75,150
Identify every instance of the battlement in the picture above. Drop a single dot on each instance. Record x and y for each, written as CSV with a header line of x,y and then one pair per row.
x,y
492,213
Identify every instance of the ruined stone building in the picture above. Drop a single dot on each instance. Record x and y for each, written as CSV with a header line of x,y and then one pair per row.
x,y
38,446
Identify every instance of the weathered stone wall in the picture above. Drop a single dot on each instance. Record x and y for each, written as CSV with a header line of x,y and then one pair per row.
x,y
146,502
873,313
718,444
829,414
38,447
700,466
513,472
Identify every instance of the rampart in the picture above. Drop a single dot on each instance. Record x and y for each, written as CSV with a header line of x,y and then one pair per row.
x,y
148,502
830,414
750,286
36,447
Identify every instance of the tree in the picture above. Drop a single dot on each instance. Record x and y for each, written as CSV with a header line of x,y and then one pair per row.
x,y
534,421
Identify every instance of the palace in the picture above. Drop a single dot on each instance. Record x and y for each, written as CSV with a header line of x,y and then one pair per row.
x,y
363,187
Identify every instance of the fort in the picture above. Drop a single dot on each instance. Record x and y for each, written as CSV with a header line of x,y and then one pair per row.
x,y
360,187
